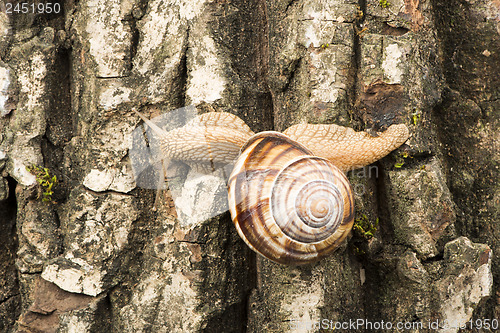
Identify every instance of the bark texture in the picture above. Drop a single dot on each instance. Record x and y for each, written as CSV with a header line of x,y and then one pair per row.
x,y
98,258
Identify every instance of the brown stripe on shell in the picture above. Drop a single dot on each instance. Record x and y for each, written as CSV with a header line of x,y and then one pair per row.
x,y
248,214
249,217
269,135
283,152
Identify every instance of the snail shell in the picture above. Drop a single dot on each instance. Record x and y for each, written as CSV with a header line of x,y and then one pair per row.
x,y
288,205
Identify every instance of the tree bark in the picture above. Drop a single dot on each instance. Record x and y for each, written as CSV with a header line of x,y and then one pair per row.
x,y
96,257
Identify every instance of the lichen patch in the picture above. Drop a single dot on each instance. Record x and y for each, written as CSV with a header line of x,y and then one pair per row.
x,y
114,95
206,82
4,91
391,63
119,180
463,290
323,75
74,280
305,303
32,81
110,39
196,200
21,174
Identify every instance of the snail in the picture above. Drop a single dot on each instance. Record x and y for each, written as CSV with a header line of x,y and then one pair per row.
x,y
288,195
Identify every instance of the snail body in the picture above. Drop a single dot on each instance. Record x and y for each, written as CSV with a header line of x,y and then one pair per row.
x,y
289,198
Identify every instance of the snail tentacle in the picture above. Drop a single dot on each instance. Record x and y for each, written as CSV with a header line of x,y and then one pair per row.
x,y
212,138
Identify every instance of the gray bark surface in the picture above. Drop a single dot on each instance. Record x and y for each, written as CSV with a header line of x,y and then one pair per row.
x,y
99,258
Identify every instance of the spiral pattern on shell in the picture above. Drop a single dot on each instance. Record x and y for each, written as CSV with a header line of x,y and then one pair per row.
x,y
288,205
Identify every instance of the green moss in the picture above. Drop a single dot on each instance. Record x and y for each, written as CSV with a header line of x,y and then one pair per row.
x,y
416,117
384,3
363,228
45,180
400,160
